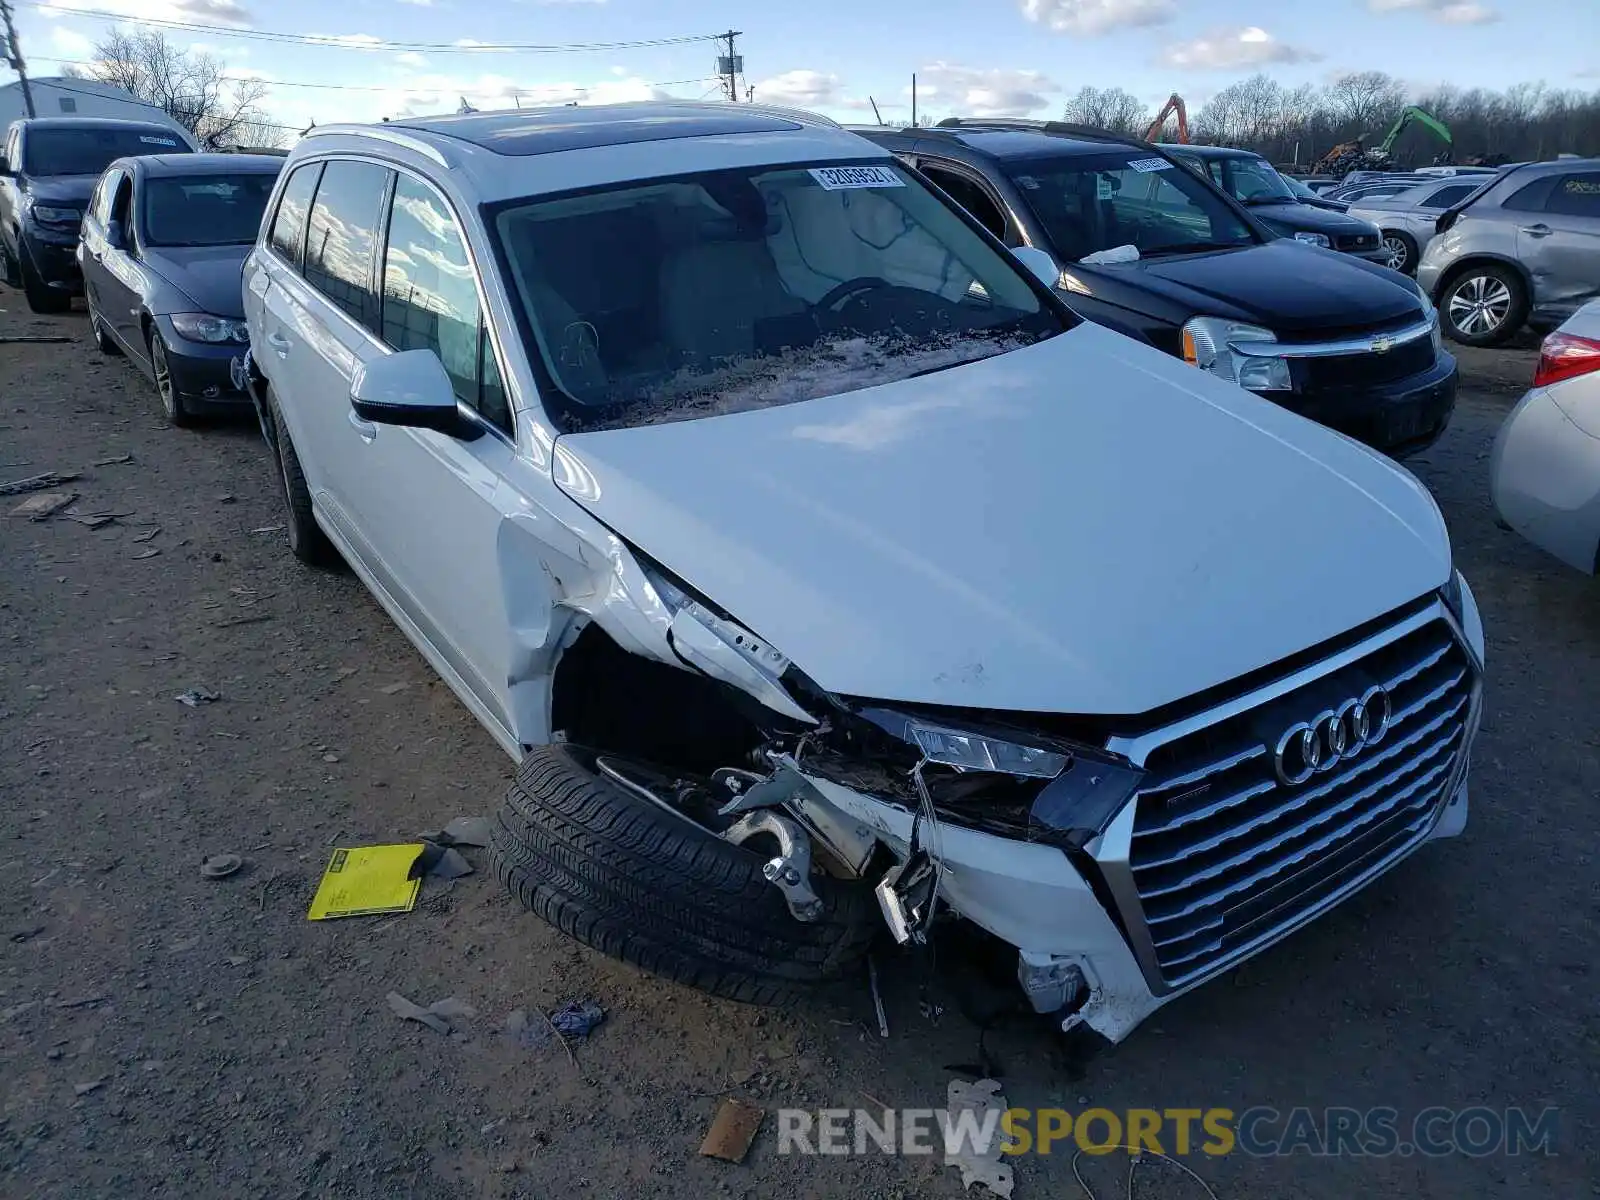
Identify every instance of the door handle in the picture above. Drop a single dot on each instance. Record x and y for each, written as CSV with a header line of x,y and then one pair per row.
x,y
361,425
279,343
1537,231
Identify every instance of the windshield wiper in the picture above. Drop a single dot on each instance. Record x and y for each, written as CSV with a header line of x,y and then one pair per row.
x,y
1254,200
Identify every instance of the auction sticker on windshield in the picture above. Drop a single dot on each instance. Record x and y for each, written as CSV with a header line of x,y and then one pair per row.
x,y
1146,165
835,179
158,141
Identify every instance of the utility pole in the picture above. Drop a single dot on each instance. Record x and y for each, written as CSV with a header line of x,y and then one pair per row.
x,y
14,57
731,65
913,102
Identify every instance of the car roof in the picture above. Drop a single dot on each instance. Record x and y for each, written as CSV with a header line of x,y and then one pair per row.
x,y
158,165
94,123
533,151
999,143
1208,151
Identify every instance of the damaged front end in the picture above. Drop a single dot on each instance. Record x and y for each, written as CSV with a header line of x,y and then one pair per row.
x,y
1126,860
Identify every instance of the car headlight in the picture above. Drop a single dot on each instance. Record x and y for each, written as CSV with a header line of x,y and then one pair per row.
x,y
976,752
203,327
54,216
1208,343
1430,313
1313,239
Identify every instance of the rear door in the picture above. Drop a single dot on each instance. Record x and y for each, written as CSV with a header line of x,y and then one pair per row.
x,y
120,300
1560,243
92,239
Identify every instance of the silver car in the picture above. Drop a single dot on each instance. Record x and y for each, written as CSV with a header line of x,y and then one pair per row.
x,y
1526,248
1407,219
1545,472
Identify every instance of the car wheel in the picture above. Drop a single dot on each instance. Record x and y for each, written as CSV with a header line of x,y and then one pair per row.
x,y
166,386
656,890
1402,251
307,542
40,297
1484,305
103,340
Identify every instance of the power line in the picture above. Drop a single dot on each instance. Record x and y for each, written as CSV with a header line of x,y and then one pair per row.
x,y
342,43
376,87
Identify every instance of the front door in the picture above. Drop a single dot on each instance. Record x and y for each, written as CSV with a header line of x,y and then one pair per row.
x,y
432,506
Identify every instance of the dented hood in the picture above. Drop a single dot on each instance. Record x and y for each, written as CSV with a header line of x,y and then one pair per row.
x,y
1082,526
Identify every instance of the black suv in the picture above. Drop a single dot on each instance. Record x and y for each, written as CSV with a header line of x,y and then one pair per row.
x,y
1153,249
1256,184
48,167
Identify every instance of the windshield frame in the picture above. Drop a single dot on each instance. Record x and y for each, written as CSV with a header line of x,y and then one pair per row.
x,y
30,137
561,410
1010,168
151,182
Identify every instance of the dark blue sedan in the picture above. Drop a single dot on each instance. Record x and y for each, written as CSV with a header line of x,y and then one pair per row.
x,y
162,250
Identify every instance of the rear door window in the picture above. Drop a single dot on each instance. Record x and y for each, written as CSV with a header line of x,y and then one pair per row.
x,y
1576,196
289,224
1449,196
340,237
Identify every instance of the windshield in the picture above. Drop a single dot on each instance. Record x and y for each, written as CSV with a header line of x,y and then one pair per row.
x,y
1254,180
733,290
206,210
1098,202
89,150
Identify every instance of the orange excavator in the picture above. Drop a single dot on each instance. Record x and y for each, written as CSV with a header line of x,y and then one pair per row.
x,y
1174,104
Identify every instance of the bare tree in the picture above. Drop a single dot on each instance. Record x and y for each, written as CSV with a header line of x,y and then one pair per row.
x,y
1366,100
1246,113
190,87
1108,108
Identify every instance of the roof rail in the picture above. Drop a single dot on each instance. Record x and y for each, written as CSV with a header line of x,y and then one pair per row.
x,y
778,110
1059,128
384,133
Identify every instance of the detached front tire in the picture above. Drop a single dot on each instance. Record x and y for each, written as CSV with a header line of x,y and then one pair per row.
x,y
640,884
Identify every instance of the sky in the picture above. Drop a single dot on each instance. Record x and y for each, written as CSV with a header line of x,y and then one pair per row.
x,y
972,57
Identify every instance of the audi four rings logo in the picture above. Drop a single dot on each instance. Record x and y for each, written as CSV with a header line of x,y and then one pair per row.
x,y
1333,736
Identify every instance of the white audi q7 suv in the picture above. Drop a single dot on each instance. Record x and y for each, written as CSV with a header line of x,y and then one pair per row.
x,y
828,578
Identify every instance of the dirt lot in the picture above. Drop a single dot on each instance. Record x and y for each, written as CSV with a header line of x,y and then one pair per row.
x,y
161,1033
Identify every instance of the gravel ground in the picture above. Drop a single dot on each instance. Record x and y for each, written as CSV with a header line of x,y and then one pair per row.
x,y
162,1033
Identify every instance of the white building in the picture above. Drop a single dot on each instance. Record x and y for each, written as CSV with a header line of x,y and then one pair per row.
x,y
54,96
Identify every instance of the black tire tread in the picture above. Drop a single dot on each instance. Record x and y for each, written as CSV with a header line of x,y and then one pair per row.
x,y
34,289
307,542
636,883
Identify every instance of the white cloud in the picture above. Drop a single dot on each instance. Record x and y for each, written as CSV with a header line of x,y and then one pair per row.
x,y
71,43
972,92
1092,17
475,44
1230,49
410,58
419,3
347,39
801,88
1450,12
439,93
210,12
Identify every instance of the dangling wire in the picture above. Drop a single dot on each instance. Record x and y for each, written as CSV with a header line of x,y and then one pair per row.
x,y
1138,1157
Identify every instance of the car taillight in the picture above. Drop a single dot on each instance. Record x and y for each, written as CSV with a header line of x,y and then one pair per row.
x,y
1565,356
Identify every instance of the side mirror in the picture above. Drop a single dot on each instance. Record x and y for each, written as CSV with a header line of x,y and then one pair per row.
x,y
115,237
1040,263
410,388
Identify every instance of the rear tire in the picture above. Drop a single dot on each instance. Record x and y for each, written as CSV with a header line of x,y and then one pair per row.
x,y
1483,305
41,299
307,542
103,341
658,892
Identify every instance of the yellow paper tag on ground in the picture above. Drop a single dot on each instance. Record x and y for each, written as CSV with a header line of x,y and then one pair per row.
x,y
364,880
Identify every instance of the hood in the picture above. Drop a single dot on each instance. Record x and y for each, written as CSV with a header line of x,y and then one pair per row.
x,y
211,276
1291,216
62,189
1082,526
1287,287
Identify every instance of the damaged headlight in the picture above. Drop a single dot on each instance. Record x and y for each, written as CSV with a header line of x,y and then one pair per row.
x,y
975,752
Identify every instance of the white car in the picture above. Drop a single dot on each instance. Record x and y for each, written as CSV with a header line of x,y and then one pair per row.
x,y
1545,470
824,572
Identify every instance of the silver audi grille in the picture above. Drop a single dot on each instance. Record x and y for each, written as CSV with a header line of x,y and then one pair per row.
x,y
1223,855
